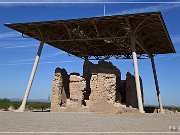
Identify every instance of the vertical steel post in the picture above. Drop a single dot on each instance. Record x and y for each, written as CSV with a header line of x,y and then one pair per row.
x,y
136,74
22,107
157,86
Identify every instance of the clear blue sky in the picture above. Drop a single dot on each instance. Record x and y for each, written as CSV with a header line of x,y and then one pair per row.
x,y
17,53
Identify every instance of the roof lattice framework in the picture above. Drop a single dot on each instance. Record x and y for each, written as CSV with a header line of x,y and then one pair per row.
x,y
103,37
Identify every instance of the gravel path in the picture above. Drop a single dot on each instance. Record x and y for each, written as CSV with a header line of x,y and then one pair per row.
x,y
87,123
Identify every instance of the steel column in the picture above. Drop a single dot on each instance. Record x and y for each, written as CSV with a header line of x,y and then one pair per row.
x,y
22,107
157,86
136,74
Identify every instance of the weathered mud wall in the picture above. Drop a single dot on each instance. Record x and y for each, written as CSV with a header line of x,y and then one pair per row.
x,y
131,93
101,69
99,90
60,89
77,87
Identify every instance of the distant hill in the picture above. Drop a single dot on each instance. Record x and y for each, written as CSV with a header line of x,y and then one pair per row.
x,y
30,100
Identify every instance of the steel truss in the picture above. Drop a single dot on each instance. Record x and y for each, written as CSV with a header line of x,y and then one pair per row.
x,y
103,37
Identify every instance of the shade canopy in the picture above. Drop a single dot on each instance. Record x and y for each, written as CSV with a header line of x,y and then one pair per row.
x,y
103,37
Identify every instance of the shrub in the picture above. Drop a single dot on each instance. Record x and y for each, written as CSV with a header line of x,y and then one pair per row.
x,y
5,104
38,105
172,108
16,104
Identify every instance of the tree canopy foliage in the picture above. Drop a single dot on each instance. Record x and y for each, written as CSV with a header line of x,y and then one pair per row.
x,y
6,103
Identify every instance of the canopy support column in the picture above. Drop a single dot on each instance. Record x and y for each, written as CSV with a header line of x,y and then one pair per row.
x,y
22,107
136,74
157,86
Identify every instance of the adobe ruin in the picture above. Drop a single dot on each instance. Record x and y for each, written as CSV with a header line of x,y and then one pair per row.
x,y
100,89
127,37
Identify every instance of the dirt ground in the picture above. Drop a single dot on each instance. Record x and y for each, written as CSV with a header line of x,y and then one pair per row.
x,y
88,123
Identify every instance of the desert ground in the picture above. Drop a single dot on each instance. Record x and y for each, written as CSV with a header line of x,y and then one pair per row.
x,y
88,123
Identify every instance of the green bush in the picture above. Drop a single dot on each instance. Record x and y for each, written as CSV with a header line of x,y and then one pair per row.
x,y
16,104
5,104
172,108
38,105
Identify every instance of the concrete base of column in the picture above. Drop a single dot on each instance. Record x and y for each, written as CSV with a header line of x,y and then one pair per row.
x,y
161,112
20,109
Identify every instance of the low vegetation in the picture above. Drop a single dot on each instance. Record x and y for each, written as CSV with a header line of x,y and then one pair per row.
x,y
5,104
172,108
38,105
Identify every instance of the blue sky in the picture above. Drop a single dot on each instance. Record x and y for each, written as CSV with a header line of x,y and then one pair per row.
x,y
17,53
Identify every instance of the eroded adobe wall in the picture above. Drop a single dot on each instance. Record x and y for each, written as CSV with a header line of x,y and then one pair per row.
x,y
102,68
99,90
77,87
103,87
60,89
131,93
102,84
122,91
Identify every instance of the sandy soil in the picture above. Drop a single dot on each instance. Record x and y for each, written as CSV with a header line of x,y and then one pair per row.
x,y
88,123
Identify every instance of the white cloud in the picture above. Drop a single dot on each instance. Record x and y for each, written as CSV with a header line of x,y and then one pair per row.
x,y
176,39
17,61
13,40
10,3
159,7
31,63
7,35
32,59
18,46
172,56
10,36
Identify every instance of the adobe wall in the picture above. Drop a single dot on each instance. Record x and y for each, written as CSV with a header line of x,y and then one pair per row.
x,y
77,87
102,86
100,89
101,69
131,94
60,89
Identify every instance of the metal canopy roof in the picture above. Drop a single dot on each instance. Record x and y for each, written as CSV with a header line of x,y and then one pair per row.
x,y
103,37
